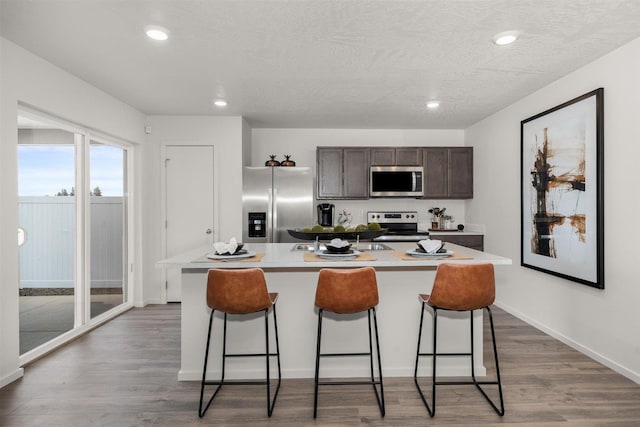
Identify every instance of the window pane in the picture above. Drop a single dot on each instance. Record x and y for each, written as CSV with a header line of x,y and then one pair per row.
x,y
108,212
46,179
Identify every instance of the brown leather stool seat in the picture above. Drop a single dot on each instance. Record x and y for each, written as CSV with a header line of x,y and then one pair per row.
x,y
346,292
240,292
459,287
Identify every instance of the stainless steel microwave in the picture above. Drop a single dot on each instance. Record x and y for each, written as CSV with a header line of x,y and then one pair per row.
x,y
396,181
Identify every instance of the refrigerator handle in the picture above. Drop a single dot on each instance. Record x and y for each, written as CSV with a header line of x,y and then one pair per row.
x,y
274,216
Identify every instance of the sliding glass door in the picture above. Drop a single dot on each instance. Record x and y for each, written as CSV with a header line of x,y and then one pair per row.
x,y
107,183
73,236
47,206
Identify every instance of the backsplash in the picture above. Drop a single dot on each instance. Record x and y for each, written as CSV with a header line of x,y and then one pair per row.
x,y
359,208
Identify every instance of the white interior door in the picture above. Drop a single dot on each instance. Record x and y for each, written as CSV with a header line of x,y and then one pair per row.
x,y
189,205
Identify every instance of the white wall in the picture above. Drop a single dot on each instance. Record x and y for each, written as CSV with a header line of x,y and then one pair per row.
x,y
301,145
602,323
229,140
30,80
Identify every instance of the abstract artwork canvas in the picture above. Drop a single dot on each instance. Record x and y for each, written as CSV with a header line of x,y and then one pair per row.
x,y
562,190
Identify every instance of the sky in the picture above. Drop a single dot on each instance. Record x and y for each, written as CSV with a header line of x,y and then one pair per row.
x,y
44,170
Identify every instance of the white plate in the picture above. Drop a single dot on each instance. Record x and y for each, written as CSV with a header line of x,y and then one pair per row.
x,y
247,254
326,254
414,252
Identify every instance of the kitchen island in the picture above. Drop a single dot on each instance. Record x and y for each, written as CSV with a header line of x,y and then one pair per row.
x,y
293,274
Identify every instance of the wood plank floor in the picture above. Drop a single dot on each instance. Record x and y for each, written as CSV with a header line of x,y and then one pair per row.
x,y
124,374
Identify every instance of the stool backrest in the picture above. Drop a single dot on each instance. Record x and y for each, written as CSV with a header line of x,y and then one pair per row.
x,y
463,286
347,291
237,291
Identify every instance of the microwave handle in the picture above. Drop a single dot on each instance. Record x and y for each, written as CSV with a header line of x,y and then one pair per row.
x,y
414,181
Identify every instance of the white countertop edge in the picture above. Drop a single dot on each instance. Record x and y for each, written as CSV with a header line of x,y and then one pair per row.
x,y
455,232
280,256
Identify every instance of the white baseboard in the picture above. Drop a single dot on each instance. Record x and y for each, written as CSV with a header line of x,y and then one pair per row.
x,y
8,379
622,370
144,303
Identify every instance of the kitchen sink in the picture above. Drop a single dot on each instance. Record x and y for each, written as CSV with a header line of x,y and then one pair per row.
x,y
363,246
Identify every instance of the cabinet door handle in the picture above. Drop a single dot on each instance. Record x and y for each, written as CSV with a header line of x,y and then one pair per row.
x,y
209,231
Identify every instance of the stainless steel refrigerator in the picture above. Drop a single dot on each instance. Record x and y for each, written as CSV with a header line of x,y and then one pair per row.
x,y
275,199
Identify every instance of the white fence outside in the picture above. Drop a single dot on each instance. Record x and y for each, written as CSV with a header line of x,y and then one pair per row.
x,y
48,254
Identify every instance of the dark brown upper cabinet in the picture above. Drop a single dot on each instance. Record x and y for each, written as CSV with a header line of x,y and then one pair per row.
x,y
448,172
342,173
396,156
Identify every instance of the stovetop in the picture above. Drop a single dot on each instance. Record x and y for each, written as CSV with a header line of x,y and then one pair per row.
x,y
395,218
413,237
402,225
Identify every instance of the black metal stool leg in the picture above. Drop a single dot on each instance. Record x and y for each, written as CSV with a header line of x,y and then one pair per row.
x,y
201,411
380,398
434,371
272,403
266,353
315,390
498,381
372,380
431,409
495,354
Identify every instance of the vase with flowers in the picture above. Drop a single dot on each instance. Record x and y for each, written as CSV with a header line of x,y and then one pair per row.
x,y
436,217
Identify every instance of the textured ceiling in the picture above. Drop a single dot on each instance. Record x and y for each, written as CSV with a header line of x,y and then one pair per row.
x,y
321,63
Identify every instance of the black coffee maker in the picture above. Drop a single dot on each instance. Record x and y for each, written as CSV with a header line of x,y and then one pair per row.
x,y
325,214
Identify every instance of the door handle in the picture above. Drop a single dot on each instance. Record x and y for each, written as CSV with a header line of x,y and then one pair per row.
x,y
209,231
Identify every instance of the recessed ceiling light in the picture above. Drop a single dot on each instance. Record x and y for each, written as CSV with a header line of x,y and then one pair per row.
x,y
220,103
433,104
505,37
156,33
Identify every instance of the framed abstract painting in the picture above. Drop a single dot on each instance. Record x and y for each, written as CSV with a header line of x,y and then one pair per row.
x,y
562,190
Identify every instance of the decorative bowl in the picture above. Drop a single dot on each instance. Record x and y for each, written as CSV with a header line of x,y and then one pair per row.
x,y
338,250
345,235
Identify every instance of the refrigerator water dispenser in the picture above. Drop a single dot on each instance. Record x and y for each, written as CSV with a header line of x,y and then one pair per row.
x,y
257,224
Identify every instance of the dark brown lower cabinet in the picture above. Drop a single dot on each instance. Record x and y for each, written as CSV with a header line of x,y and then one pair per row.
x,y
473,241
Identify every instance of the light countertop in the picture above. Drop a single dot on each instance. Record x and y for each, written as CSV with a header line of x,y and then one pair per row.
x,y
455,231
282,255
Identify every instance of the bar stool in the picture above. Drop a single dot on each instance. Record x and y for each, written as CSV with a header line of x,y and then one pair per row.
x,y
347,292
459,287
240,292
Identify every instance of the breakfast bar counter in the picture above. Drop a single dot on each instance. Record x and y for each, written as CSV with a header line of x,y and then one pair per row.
x,y
293,274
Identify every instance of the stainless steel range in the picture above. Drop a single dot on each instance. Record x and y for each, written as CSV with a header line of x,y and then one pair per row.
x,y
402,225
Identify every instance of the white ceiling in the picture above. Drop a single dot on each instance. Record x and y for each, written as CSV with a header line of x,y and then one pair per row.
x,y
321,63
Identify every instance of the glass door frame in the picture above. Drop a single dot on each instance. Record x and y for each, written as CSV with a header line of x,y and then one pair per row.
x,y
82,256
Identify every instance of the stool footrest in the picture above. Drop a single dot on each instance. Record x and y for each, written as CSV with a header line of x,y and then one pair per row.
x,y
348,382
238,382
466,382
250,355
343,354
445,354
